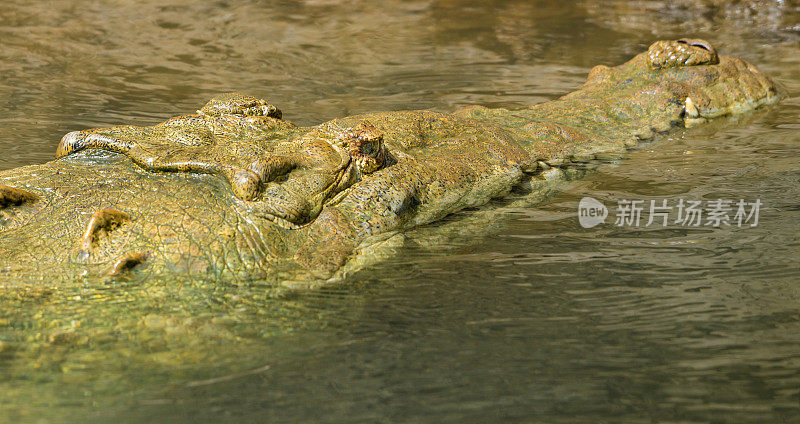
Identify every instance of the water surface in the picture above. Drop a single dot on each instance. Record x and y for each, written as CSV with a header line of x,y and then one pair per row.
x,y
516,316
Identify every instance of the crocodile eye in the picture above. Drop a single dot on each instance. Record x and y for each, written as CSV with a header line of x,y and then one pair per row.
x,y
368,147
365,144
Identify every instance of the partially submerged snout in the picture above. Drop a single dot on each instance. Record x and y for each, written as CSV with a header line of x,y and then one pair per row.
x,y
738,87
715,85
689,74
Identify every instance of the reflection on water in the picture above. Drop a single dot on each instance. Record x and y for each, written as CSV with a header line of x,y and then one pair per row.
x,y
519,316
67,66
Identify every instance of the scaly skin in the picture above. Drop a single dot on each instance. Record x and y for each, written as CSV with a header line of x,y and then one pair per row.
x,y
234,192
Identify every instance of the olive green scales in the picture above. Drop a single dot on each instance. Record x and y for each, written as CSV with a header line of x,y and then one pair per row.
x,y
235,192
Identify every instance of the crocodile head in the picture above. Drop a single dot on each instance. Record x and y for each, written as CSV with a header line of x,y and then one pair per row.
x,y
234,190
289,172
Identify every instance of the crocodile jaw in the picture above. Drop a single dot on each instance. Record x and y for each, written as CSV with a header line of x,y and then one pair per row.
x,y
735,87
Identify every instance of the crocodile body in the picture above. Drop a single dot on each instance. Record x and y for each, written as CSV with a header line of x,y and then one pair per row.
x,y
235,192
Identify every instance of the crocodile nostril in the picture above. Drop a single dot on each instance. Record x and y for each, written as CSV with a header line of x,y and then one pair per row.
x,y
679,53
696,43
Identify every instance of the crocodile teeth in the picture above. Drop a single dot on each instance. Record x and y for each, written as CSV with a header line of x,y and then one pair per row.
x,y
690,108
553,174
582,157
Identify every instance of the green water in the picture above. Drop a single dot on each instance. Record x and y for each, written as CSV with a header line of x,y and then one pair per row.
x,y
519,315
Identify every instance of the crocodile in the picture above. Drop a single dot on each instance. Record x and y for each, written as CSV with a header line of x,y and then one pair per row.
x,y
235,192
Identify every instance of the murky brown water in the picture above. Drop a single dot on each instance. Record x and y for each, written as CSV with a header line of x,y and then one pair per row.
x,y
538,321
